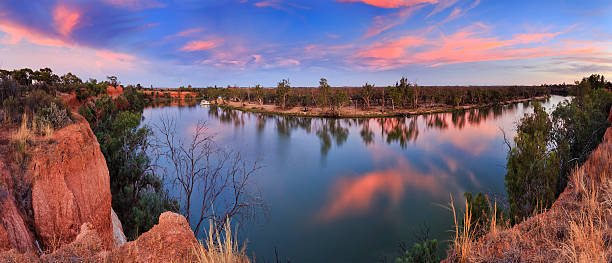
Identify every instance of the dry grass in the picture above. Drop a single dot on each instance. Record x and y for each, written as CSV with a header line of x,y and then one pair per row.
x,y
577,228
23,133
218,249
464,234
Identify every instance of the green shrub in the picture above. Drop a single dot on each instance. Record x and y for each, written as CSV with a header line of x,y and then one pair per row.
x,y
426,252
483,211
54,116
12,109
533,166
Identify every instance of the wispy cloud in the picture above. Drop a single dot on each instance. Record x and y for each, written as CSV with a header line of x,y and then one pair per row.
x,y
136,4
392,3
459,12
386,22
65,19
200,45
330,35
280,5
190,32
470,44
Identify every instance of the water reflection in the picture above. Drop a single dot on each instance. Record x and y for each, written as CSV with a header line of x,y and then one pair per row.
x,y
398,130
362,184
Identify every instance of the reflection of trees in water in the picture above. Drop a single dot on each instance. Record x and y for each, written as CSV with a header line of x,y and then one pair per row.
x,y
285,125
366,133
331,129
173,103
226,115
436,121
401,130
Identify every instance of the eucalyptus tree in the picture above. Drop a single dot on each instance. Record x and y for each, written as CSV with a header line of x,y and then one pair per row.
x,y
282,90
366,93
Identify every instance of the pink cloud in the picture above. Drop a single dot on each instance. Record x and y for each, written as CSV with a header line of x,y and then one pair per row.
x,y
459,12
353,195
65,19
531,38
470,44
190,32
383,23
332,35
198,45
391,50
288,62
18,32
114,56
279,4
441,6
136,4
392,3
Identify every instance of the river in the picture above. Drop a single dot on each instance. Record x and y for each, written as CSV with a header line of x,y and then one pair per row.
x,y
350,190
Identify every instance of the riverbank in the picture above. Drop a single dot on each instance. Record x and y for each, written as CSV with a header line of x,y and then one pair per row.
x,y
575,229
356,112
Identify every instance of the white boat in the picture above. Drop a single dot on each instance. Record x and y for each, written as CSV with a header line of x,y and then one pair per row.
x,y
204,102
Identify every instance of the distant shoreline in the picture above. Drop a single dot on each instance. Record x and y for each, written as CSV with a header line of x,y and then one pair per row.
x,y
351,112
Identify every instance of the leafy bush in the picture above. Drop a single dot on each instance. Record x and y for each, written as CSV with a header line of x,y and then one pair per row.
x,y
531,179
483,213
547,149
53,116
12,109
426,252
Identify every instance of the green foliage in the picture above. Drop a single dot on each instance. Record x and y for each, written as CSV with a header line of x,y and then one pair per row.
x,y
138,194
53,116
282,89
531,179
338,99
366,93
426,252
324,98
546,150
395,94
12,109
483,211
259,94
579,126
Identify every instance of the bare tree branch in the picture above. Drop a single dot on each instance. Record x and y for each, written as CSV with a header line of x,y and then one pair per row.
x,y
221,179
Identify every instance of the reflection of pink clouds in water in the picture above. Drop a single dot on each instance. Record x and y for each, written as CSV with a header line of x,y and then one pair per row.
x,y
353,195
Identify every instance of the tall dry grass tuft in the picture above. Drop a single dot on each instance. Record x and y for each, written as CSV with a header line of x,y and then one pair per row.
x,y
218,249
23,133
464,233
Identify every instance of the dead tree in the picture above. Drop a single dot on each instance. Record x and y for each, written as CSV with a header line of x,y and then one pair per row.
x,y
221,179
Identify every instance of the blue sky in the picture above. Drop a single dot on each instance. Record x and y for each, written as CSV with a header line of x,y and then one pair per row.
x,y
349,42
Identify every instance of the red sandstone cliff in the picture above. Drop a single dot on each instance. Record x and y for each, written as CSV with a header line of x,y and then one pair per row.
x,y
65,184
61,202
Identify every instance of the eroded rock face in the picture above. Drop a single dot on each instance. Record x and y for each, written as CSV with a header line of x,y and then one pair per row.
x,y
13,230
114,91
71,186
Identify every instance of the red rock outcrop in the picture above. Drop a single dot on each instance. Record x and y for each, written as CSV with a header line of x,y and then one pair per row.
x,y
114,91
169,241
71,186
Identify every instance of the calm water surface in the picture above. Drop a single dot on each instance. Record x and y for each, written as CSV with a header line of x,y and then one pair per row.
x,y
349,190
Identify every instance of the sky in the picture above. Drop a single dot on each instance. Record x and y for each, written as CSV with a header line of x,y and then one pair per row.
x,y
247,42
